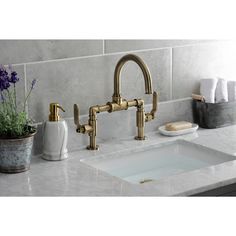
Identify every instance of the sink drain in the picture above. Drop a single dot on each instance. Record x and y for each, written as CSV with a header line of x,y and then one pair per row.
x,y
145,181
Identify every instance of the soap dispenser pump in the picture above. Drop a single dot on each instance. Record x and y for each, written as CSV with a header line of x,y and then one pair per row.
x,y
55,135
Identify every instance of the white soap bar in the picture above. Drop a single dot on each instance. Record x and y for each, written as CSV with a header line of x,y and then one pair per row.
x,y
179,125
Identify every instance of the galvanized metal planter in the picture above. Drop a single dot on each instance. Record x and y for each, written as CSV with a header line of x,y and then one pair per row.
x,y
214,115
15,154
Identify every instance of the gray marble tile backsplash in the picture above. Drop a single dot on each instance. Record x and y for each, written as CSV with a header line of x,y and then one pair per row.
x,y
23,51
89,81
81,71
114,45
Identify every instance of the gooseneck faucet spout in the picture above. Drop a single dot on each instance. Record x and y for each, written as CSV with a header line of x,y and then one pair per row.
x,y
146,74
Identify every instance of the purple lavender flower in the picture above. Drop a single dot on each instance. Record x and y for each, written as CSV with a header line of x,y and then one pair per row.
x,y
13,79
4,78
4,84
33,83
3,72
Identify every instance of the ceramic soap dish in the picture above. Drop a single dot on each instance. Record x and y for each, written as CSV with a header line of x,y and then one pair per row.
x,y
162,130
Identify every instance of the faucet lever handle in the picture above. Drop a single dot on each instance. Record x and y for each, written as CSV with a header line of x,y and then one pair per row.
x,y
151,115
76,115
154,103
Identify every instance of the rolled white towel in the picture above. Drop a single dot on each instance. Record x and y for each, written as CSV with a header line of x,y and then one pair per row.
x,y
221,91
232,90
208,88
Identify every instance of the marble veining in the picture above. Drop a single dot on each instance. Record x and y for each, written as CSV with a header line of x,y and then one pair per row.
x,y
71,177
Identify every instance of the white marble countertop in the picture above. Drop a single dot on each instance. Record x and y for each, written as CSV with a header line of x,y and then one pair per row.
x,y
71,177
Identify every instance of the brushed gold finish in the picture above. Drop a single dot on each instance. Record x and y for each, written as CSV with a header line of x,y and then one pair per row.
x,y
140,118
151,115
92,146
145,181
146,74
76,114
54,112
119,104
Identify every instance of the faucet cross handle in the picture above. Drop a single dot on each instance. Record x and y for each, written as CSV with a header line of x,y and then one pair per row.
x,y
151,115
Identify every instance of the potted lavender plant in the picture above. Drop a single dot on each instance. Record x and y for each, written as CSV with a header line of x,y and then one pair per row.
x,y
16,130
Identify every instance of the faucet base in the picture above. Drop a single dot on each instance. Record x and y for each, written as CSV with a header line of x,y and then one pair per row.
x,y
140,138
92,148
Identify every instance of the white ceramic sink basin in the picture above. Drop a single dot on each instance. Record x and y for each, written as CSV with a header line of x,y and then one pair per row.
x,y
158,161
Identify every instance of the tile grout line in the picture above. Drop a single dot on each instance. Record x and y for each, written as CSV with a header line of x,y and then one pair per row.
x,y
171,73
91,56
110,54
58,60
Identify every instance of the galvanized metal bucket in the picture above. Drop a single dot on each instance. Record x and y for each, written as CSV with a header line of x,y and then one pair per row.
x,y
15,154
214,115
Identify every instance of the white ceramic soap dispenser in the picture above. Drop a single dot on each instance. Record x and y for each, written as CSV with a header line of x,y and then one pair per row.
x,y
55,135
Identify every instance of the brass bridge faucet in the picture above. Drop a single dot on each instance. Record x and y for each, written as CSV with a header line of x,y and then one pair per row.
x,y
119,104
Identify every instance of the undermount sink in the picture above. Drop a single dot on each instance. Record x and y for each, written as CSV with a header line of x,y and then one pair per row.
x,y
150,163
